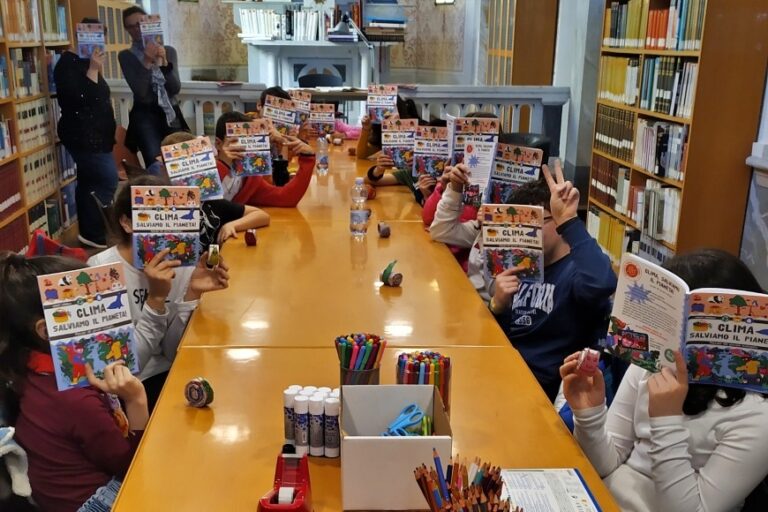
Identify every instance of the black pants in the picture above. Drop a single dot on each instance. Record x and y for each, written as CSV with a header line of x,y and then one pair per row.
x,y
147,127
153,386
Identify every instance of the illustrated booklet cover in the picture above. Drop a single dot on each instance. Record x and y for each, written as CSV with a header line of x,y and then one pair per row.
x,y
382,102
151,30
512,237
562,489
165,218
473,142
432,153
302,101
282,113
88,321
397,141
723,334
513,166
254,137
90,36
193,164
323,117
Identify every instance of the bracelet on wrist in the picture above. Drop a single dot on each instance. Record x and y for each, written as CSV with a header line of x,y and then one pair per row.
x,y
372,175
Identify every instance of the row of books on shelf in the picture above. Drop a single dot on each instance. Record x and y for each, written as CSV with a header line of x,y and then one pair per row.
x,y
615,238
46,215
67,167
25,71
41,175
660,148
618,79
668,85
10,190
635,24
614,131
14,237
5,82
22,20
609,184
34,124
51,59
54,21
293,24
7,146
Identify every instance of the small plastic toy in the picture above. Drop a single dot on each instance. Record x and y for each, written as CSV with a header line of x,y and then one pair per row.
x,y
250,237
198,392
384,230
213,256
588,361
291,490
389,278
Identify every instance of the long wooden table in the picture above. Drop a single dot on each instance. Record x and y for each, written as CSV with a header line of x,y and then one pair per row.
x,y
305,283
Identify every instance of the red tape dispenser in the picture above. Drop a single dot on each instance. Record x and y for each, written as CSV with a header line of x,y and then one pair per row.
x,y
291,491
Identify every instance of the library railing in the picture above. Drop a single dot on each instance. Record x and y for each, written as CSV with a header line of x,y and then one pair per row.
x,y
535,109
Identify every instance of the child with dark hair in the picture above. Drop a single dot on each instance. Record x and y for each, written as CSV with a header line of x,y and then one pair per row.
x,y
255,190
162,297
79,442
665,444
568,310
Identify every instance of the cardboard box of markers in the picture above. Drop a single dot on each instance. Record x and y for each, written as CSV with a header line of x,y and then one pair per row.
x,y
377,470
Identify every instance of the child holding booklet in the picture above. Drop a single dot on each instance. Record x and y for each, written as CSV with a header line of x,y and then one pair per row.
x,y
566,311
255,190
665,444
162,297
79,442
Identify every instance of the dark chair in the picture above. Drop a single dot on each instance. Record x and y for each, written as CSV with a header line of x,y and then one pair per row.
x,y
105,212
320,80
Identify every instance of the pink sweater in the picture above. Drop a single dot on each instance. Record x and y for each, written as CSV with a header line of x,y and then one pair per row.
x,y
428,215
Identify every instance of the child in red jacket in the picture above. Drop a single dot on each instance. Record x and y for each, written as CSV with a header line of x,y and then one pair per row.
x,y
255,190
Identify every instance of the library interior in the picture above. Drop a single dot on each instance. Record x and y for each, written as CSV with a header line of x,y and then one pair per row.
x,y
527,241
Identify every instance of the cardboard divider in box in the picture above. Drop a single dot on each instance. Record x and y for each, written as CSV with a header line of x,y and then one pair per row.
x,y
376,470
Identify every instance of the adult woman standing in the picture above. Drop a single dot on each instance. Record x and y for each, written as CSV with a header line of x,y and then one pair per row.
x,y
153,76
87,130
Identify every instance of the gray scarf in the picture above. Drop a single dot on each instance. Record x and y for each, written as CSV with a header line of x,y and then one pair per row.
x,y
158,84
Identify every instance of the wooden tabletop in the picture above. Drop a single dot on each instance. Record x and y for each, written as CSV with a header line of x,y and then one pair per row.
x,y
305,283
222,458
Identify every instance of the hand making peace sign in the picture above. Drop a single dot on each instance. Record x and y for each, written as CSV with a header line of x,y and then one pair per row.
x,y
564,202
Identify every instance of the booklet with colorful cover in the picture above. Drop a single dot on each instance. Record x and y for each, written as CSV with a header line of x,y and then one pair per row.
x,y
382,102
282,113
254,137
431,151
165,218
462,130
151,30
723,334
90,36
302,101
512,237
323,117
544,490
397,141
473,142
193,164
513,166
88,320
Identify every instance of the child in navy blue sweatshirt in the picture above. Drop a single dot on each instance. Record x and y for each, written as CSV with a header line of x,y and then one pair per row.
x,y
569,309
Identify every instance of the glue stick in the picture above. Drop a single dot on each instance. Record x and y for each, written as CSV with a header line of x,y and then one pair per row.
x,y
288,397
316,410
301,419
332,434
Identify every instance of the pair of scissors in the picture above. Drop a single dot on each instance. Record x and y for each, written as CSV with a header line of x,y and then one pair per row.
x,y
409,417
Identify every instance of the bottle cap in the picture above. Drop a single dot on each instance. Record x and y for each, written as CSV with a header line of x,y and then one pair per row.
x,y
332,406
359,181
310,388
301,404
307,392
316,405
288,396
324,389
296,387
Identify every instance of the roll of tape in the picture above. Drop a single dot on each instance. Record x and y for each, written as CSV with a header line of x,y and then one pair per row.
x,y
285,495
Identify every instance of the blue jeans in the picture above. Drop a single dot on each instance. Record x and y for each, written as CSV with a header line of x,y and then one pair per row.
x,y
96,172
103,498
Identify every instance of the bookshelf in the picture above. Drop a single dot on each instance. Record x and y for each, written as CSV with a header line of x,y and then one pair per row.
x,y
110,12
36,175
674,118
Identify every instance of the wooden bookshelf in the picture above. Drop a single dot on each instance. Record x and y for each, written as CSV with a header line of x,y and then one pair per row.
x,y
110,12
15,226
723,120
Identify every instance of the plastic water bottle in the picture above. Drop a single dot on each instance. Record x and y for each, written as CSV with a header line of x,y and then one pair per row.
x,y
359,213
322,156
